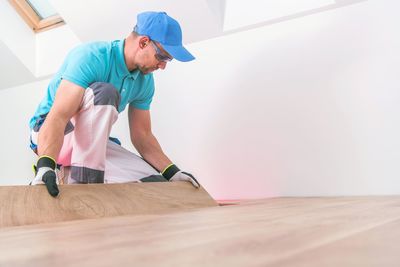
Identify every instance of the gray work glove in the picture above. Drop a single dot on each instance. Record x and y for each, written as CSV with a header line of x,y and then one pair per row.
x,y
45,174
173,173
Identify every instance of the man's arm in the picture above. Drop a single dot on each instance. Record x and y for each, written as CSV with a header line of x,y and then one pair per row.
x,y
51,135
143,139
66,103
149,148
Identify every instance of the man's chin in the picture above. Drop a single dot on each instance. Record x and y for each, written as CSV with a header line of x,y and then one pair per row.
x,y
146,70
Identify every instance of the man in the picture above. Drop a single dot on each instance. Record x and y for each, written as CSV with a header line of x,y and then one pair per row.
x,y
72,124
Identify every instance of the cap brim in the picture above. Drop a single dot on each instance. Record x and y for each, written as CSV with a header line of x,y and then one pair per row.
x,y
178,52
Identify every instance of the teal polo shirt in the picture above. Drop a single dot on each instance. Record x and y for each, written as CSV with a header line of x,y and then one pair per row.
x,y
100,62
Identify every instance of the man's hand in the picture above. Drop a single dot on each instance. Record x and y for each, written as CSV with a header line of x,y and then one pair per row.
x,y
173,173
184,176
45,174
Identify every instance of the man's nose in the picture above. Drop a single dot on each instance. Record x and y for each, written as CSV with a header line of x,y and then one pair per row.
x,y
162,65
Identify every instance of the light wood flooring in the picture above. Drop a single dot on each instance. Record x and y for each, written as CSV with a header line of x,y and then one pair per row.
x,y
342,231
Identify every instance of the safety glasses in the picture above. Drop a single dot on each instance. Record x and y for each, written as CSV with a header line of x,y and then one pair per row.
x,y
160,56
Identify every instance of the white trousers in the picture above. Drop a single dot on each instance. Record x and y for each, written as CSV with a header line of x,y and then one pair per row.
x,y
122,166
87,154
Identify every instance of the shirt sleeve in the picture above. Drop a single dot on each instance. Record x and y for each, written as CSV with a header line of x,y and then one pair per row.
x,y
82,68
145,100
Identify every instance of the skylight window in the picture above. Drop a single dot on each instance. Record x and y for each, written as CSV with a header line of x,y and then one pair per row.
x,y
239,13
42,8
38,14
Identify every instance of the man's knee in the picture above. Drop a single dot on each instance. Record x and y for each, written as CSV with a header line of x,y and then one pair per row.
x,y
105,94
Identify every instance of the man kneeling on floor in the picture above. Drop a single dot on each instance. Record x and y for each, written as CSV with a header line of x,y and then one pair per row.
x,y
71,127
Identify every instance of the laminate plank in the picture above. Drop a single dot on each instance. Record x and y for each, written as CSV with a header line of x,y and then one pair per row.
x,y
22,205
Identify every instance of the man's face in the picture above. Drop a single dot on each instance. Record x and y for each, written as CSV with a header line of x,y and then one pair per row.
x,y
153,57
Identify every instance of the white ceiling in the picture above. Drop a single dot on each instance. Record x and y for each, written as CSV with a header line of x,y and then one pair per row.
x,y
93,20
114,19
200,19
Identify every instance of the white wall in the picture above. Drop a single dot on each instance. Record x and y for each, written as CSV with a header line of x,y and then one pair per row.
x,y
17,107
52,47
304,107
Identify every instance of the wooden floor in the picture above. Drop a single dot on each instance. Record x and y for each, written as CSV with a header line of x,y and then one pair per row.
x,y
346,231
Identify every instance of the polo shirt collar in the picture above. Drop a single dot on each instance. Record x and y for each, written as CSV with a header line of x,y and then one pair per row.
x,y
121,65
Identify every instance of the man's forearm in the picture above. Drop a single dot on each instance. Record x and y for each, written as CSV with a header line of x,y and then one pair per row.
x,y
51,137
149,148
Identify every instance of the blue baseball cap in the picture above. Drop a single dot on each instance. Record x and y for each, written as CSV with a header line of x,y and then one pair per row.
x,y
160,27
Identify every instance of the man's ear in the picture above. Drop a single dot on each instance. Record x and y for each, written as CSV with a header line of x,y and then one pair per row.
x,y
144,41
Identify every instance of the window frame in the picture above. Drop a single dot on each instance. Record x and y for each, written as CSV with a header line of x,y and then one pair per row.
x,y
33,20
